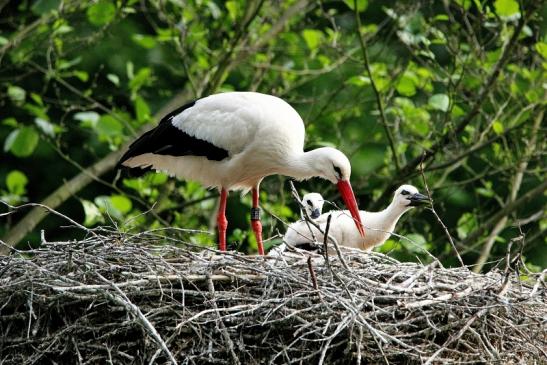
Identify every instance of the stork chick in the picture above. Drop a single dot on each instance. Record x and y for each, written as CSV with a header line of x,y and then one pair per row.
x,y
379,225
313,203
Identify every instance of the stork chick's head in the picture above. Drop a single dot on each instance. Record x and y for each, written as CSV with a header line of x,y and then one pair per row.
x,y
409,196
313,203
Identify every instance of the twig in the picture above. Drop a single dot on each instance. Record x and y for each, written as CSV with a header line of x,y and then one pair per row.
x,y
457,336
379,101
325,240
312,274
124,300
439,218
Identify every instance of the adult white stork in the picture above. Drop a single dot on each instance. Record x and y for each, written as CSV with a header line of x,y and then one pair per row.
x,y
379,225
232,141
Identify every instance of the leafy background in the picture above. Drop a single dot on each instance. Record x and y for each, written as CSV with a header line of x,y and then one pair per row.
x,y
454,87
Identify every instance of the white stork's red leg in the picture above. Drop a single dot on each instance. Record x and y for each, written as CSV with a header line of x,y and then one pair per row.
x,y
255,221
222,222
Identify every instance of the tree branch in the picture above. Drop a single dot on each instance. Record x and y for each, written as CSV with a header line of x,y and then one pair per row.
x,y
507,209
516,183
379,101
71,187
486,89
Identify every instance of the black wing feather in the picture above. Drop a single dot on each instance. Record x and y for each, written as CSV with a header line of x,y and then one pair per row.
x,y
167,139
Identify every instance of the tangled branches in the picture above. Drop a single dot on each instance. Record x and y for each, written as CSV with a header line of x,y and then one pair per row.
x,y
118,298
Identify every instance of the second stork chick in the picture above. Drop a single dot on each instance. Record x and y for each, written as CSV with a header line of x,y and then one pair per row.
x,y
313,203
379,225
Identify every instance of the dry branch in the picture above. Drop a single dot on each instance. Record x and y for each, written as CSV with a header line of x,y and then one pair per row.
x,y
120,298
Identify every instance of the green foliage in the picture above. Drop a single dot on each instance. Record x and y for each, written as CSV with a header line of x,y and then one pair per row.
x,y
506,8
101,13
361,4
439,102
81,79
16,182
16,188
22,141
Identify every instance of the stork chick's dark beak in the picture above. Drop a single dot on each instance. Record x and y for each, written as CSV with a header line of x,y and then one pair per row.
x,y
418,199
315,213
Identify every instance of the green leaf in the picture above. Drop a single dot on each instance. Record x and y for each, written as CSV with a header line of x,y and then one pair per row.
x,y
215,10
22,142
121,203
358,80
16,182
466,224
497,127
36,110
3,41
92,213
46,127
312,37
66,64
41,7
541,48
37,99
457,111
232,8
82,75
87,119
145,41
361,4
111,204
466,4
439,102
113,79
142,110
140,79
506,8
17,94
101,13
10,122
158,178
108,126
405,86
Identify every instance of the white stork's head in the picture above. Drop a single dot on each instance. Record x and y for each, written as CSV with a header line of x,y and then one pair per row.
x,y
331,164
408,196
313,203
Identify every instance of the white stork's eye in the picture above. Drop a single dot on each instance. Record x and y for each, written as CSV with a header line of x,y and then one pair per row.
x,y
404,192
337,171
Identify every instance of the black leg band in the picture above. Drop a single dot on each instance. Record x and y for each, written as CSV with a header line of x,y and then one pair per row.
x,y
255,214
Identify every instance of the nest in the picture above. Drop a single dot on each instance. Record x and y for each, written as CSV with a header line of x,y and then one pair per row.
x,y
118,298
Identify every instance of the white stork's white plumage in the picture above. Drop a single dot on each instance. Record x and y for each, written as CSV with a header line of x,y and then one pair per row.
x,y
232,141
379,225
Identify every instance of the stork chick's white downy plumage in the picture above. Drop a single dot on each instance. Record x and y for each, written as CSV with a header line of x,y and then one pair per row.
x,y
232,141
378,225
313,204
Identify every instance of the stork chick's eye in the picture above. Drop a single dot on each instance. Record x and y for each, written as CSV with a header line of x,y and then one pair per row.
x,y
404,192
337,171
308,202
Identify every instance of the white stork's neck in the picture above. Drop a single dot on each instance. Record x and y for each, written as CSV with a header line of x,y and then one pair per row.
x,y
390,216
305,165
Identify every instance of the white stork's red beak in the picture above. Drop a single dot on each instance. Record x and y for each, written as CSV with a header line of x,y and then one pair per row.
x,y
349,199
